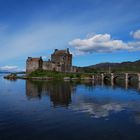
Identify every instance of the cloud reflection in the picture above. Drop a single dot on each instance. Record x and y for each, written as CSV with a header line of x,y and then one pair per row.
x,y
98,110
104,110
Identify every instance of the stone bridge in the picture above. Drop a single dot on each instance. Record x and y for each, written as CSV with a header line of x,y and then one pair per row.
x,y
112,77
125,76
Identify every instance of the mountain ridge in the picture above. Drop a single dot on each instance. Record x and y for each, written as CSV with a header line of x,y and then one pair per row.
x,y
126,66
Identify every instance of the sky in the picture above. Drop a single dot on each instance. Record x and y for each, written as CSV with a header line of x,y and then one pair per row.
x,y
96,31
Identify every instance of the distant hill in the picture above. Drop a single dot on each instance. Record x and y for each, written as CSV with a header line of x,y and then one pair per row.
x,y
114,67
21,72
4,72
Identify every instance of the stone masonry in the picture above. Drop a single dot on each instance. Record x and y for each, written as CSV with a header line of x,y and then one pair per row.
x,y
61,61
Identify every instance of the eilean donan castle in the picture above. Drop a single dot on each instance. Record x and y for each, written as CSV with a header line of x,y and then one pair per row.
x,y
61,61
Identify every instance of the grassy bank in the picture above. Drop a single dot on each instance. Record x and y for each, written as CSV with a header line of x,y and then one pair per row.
x,y
58,75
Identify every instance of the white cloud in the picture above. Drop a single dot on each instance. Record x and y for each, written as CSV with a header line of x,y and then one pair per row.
x,y
44,57
10,68
135,45
102,43
135,34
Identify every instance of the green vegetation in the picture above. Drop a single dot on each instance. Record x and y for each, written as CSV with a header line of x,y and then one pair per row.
x,y
11,76
58,75
130,67
120,69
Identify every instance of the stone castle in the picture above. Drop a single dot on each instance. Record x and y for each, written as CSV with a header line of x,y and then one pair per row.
x,y
61,61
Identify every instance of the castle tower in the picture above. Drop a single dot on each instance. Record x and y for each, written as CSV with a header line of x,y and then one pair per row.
x,y
62,58
33,64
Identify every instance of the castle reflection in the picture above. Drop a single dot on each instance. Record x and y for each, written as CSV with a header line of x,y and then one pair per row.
x,y
59,92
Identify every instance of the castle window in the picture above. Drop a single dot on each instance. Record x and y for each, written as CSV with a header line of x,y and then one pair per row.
x,y
63,57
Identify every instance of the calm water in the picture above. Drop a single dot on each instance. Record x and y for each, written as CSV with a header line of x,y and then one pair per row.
x,y
35,110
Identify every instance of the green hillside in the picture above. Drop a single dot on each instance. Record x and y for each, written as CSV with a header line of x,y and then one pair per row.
x,y
113,67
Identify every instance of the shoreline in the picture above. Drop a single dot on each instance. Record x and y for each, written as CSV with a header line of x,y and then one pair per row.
x,y
71,77
11,77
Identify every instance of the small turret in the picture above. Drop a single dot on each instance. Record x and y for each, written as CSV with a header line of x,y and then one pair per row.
x,y
55,50
68,50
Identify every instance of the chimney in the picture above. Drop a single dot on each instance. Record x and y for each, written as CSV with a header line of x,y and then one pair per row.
x,y
40,58
55,50
67,50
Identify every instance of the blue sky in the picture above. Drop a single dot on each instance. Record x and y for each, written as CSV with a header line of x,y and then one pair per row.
x,y
94,30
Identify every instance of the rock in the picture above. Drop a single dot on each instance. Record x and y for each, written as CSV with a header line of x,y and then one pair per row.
x,y
66,78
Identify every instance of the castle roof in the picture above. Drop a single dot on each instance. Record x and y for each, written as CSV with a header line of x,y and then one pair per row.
x,y
60,52
34,59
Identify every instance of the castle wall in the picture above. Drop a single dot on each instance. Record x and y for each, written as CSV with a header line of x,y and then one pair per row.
x,y
61,61
33,64
73,69
47,65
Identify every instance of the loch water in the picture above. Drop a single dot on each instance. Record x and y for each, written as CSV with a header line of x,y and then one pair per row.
x,y
58,110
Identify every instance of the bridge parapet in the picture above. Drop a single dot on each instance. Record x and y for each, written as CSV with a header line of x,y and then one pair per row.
x,y
125,76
